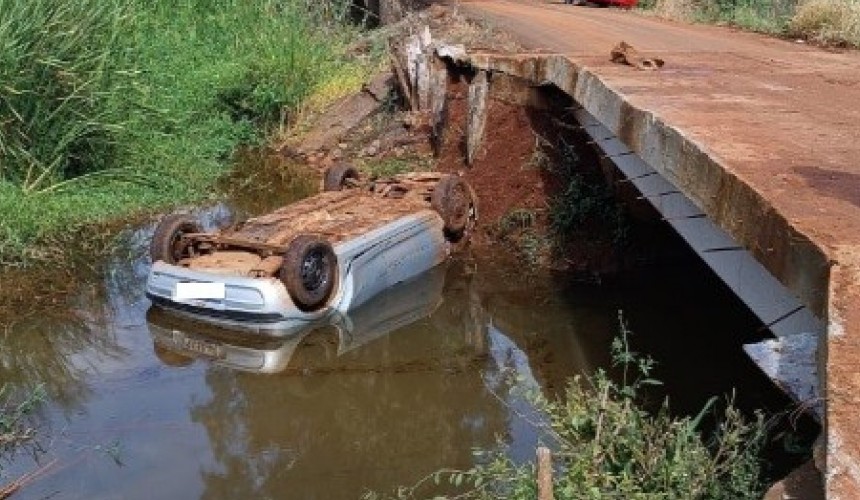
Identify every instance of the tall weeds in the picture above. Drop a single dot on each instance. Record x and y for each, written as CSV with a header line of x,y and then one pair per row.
x,y
831,22
834,22
110,107
767,16
56,65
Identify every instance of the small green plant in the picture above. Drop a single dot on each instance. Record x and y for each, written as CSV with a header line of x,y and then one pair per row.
x,y
582,203
581,216
387,167
13,416
534,247
606,445
515,220
518,228
539,158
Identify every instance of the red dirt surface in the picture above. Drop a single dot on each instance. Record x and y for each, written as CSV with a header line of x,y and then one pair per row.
x,y
508,175
501,175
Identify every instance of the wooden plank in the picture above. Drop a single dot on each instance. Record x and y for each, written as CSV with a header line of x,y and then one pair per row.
x,y
544,473
402,80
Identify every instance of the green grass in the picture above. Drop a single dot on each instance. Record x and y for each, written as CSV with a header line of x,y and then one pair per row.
x,y
515,220
386,167
581,217
111,108
830,22
391,166
766,16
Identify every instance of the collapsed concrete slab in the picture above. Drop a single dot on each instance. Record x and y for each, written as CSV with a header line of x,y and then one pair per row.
x,y
792,363
476,120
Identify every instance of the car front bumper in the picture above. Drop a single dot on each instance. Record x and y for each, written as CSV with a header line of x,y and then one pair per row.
x,y
256,304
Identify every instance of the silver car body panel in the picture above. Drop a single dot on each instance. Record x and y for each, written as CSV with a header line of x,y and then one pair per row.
x,y
367,265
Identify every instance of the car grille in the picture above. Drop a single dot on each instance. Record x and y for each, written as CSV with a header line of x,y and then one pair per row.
x,y
236,297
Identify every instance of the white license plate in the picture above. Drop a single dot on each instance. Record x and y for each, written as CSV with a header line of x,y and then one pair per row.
x,y
207,349
199,291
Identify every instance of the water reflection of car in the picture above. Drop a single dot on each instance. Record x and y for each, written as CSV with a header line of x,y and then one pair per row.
x,y
179,340
285,271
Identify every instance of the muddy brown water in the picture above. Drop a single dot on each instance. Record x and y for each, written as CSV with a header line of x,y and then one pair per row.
x,y
144,405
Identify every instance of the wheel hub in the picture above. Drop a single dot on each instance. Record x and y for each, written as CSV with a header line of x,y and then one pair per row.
x,y
313,270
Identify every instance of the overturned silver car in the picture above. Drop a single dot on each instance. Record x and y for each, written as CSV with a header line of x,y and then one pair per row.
x,y
178,341
284,271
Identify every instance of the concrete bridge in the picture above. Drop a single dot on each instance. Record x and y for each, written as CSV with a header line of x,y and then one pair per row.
x,y
750,147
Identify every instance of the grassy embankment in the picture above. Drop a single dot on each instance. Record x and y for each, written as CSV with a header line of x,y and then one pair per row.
x,y
122,107
830,22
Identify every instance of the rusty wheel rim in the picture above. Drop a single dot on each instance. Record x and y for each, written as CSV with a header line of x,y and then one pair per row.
x,y
179,247
313,272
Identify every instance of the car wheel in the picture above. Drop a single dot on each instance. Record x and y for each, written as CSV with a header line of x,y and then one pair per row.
x,y
168,243
309,271
456,203
337,177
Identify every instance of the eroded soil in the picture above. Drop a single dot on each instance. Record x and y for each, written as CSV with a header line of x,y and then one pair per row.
x,y
531,153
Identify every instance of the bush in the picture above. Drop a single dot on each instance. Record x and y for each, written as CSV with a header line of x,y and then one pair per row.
x,y
830,22
607,446
584,203
767,16
833,22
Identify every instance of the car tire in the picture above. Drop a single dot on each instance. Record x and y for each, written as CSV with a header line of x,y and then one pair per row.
x,y
454,200
167,243
337,177
309,271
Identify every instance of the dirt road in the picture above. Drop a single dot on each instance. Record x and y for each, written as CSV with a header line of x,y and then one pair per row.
x,y
784,116
779,123
575,30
